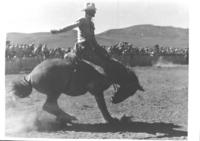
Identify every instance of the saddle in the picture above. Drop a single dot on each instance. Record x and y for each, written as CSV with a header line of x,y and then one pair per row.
x,y
100,60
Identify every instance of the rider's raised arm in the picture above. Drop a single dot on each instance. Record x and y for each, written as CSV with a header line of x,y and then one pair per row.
x,y
68,28
65,29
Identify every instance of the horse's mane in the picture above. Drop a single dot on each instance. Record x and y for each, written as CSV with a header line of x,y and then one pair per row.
x,y
115,67
114,70
96,67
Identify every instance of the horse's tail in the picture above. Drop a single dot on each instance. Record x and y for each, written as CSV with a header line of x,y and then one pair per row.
x,y
21,88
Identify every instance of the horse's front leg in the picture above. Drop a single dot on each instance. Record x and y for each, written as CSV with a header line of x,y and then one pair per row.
x,y
51,106
103,108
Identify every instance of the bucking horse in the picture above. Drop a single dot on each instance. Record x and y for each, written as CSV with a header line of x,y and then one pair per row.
x,y
53,77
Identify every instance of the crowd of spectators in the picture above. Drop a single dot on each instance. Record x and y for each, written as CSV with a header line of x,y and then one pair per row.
x,y
122,49
125,48
33,50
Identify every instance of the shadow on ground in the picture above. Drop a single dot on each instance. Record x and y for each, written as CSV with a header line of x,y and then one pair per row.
x,y
165,129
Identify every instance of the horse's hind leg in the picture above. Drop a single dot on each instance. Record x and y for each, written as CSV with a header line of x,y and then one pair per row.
x,y
51,106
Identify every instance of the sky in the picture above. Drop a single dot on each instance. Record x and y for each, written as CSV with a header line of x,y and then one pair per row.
x,y
29,16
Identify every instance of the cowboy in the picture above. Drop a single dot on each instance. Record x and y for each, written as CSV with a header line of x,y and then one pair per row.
x,y
87,47
89,50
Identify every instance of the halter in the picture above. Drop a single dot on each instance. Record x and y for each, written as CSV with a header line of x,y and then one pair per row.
x,y
116,87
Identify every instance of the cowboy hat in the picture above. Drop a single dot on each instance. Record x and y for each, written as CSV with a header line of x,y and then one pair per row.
x,y
90,6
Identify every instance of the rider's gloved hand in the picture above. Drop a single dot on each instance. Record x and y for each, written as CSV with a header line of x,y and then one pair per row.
x,y
54,31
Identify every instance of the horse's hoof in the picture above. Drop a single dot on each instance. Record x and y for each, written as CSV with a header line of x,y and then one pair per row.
x,y
72,118
66,119
114,121
63,120
125,119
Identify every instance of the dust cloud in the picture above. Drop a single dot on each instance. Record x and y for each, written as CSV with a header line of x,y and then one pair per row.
x,y
164,63
22,122
22,119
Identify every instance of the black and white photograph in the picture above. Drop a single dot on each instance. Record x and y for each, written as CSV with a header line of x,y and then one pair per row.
x,y
92,69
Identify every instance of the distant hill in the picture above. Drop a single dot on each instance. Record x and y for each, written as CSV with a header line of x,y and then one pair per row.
x,y
53,41
138,35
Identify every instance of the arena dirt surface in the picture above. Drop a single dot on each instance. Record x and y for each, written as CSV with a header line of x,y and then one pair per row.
x,y
161,112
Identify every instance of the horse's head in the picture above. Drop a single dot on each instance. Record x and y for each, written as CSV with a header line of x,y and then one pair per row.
x,y
127,89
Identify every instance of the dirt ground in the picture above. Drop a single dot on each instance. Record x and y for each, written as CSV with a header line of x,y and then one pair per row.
x,y
161,112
